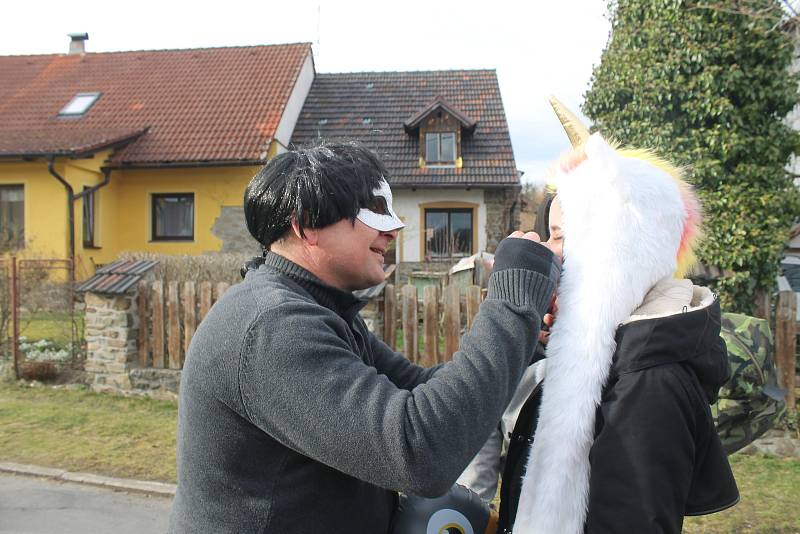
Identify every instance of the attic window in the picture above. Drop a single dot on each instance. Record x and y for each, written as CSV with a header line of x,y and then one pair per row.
x,y
79,105
440,147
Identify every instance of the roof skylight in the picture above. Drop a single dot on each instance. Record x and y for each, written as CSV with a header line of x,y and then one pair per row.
x,y
79,105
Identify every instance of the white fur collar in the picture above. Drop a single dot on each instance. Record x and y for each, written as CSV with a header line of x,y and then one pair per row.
x,y
622,222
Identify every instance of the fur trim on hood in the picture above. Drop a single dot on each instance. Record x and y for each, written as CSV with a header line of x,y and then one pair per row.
x,y
625,221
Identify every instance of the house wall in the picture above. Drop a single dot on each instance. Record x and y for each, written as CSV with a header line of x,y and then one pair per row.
x,y
218,196
123,209
503,207
45,208
406,203
46,212
497,210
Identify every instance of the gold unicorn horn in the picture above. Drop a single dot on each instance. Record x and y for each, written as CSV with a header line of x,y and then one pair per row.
x,y
576,131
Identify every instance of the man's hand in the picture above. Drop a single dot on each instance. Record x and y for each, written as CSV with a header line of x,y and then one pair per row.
x,y
548,320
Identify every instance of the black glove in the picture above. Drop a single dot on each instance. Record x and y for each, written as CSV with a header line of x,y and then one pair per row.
x,y
518,253
459,511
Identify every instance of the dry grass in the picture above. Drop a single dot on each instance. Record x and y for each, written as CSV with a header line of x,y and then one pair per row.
x,y
770,499
84,431
217,267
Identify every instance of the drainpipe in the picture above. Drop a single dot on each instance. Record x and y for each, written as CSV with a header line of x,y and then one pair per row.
x,y
71,199
70,211
106,179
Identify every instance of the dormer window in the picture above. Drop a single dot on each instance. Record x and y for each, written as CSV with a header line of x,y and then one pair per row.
x,y
440,128
79,105
440,147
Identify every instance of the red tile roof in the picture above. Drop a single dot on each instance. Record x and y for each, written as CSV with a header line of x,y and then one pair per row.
x,y
199,105
66,141
373,106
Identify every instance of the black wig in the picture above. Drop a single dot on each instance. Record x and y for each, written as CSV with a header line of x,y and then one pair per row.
x,y
318,186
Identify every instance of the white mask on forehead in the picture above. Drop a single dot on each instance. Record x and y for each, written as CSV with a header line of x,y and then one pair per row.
x,y
383,222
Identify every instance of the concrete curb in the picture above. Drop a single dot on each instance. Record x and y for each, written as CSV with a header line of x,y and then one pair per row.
x,y
159,489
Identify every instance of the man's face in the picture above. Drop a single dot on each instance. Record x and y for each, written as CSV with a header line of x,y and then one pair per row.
x,y
352,254
556,241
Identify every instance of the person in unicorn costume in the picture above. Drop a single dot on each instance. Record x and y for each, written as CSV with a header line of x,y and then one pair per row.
x,y
619,436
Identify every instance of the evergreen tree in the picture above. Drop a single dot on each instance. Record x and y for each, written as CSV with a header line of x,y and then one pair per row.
x,y
708,85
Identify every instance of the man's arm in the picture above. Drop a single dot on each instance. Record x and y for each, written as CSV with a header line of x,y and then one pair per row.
x,y
397,367
319,398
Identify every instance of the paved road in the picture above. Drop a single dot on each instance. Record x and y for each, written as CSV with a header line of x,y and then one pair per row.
x,y
41,506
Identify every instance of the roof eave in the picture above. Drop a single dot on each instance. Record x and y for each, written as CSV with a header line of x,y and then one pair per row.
x,y
185,164
415,120
80,152
438,185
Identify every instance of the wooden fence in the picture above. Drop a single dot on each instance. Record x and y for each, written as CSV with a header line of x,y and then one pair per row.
x,y
169,313
426,325
168,317
429,323
786,329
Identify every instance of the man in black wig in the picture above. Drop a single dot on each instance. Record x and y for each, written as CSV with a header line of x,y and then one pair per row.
x,y
293,416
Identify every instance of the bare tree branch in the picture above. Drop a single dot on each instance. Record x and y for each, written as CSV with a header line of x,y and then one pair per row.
x,y
778,14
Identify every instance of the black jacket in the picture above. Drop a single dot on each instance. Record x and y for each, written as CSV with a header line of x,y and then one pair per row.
x,y
656,455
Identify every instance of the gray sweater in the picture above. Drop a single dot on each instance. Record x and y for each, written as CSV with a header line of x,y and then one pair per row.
x,y
294,418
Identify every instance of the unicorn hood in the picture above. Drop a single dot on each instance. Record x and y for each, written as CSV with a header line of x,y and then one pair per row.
x,y
629,221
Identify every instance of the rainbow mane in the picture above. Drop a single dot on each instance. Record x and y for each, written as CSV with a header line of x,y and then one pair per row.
x,y
691,234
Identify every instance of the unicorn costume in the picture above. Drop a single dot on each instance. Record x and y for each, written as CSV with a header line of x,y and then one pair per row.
x,y
619,436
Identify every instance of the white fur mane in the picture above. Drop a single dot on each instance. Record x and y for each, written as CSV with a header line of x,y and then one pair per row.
x,y
622,222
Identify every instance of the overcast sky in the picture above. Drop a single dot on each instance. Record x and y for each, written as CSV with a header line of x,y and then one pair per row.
x,y
537,47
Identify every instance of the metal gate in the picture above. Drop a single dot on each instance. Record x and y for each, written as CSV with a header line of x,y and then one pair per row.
x,y
37,310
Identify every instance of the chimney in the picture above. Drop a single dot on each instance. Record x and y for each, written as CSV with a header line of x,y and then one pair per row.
x,y
76,43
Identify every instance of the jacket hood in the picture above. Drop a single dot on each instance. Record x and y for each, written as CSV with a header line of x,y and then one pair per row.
x,y
691,335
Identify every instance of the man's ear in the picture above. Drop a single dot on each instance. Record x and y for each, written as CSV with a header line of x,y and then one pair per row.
x,y
309,235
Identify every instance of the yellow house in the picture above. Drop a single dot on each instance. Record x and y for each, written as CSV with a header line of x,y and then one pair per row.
x,y
141,151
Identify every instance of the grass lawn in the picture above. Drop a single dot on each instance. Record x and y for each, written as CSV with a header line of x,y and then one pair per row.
x,y
135,437
770,499
53,326
83,431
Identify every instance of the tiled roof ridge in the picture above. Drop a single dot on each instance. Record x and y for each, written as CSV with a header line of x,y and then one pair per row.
x,y
435,71
140,51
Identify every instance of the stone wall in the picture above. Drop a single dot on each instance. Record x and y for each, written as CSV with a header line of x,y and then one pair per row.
x,y
231,229
111,332
502,214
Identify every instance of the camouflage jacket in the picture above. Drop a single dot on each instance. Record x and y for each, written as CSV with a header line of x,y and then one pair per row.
x,y
749,403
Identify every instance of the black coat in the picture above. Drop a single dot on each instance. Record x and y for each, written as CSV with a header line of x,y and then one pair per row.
x,y
656,455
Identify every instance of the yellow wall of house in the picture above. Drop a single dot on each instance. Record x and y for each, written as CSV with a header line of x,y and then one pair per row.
x,y
213,188
45,211
122,208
